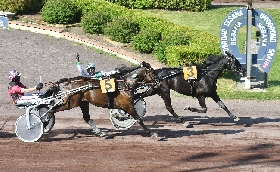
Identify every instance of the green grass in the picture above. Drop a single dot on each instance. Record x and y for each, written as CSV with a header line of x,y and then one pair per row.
x,y
210,21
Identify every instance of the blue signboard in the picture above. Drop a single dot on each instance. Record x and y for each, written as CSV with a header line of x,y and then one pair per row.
x,y
3,22
268,39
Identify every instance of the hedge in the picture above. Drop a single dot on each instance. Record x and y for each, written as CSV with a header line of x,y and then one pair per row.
x,y
188,5
21,6
200,44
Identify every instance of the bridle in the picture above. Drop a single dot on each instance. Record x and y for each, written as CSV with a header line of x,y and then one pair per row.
x,y
154,80
231,65
148,79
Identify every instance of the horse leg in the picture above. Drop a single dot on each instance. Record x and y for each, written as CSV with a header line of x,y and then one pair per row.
x,y
147,131
110,100
134,114
140,121
217,99
85,110
201,101
165,95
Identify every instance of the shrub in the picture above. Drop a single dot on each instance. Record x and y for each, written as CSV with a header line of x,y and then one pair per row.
x,y
60,12
121,29
100,5
199,43
171,38
184,55
33,6
189,5
21,6
146,40
93,22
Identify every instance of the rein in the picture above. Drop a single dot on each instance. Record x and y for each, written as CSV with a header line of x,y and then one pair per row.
x,y
170,75
136,82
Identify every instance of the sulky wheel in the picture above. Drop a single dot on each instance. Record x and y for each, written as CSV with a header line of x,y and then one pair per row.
x,y
140,107
48,119
122,120
48,125
31,134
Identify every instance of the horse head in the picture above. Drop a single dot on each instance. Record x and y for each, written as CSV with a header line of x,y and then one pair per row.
x,y
234,65
140,76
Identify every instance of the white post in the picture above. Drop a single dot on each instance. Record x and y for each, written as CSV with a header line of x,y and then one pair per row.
x,y
248,46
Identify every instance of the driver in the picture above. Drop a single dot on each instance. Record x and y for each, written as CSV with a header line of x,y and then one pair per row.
x,y
95,75
16,89
90,67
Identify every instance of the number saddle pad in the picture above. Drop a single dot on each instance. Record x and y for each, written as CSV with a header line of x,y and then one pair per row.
x,y
190,72
108,85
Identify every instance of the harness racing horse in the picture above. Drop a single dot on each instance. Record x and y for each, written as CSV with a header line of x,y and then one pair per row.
x,y
201,87
92,93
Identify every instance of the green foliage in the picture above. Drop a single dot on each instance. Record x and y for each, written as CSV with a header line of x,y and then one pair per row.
x,y
146,40
100,5
21,6
195,5
32,6
14,6
171,38
121,29
93,22
148,22
134,4
60,12
184,55
173,35
189,5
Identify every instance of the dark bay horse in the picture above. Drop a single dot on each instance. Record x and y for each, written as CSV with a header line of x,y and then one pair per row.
x,y
201,87
91,93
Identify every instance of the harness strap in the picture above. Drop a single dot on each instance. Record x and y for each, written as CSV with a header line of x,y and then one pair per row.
x,y
192,87
145,92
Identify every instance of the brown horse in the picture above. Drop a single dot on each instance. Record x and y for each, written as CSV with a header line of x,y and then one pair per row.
x,y
82,91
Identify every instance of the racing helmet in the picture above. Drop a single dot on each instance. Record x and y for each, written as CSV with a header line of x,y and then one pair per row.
x,y
13,74
90,65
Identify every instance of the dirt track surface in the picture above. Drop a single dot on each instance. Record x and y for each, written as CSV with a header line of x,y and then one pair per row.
x,y
215,143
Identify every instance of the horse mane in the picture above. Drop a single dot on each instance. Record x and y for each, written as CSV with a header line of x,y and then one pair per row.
x,y
213,59
213,62
125,69
166,72
210,62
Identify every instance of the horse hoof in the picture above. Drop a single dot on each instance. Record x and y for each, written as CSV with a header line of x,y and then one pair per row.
x,y
154,135
188,125
180,119
101,134
191,109
236,119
